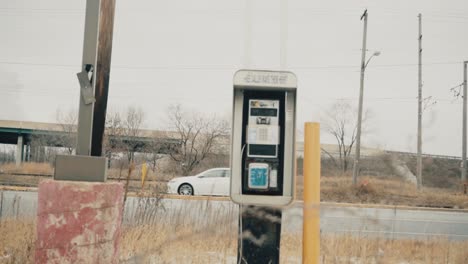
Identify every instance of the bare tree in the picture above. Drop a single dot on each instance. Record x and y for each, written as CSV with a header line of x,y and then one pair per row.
x,y
340,122
153,151
132,123
38,145
199,136
113,135
43,148
67,121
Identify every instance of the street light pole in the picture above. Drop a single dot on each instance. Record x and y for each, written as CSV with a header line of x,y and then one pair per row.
x,y
420,110
361,94
463,165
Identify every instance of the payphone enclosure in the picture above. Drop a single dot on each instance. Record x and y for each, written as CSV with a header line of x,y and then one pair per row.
x,y
263,138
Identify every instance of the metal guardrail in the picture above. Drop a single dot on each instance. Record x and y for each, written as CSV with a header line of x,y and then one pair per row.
x,y
50,176
424,155
337,154
19,183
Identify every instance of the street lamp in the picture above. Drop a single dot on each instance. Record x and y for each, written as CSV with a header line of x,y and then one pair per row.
x,y
376,53
358,135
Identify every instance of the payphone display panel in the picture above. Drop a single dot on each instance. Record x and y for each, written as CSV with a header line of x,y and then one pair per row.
x,y
263,137
263,128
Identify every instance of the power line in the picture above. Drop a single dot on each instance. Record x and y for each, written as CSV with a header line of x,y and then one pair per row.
x,y
47,92
438,17
21,11
329,11
37,64
41,9
386,98
221,67
384,11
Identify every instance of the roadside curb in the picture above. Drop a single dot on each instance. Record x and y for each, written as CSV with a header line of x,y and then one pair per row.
x,y
295,202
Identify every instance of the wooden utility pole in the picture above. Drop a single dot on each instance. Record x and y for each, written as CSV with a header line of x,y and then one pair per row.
x,y
357,155
419,159
106,29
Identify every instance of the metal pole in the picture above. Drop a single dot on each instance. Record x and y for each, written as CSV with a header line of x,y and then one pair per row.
x,y
311,217
248,34
283,33
361,95
463,165
90,44
419,160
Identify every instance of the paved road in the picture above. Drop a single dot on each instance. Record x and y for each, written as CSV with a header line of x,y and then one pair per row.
x,y
335,218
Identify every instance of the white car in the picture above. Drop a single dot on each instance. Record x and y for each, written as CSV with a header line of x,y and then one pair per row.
x,y
210,182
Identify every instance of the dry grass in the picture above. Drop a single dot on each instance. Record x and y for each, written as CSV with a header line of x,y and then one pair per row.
x,y
27,168
155,244
17,241
116,173
216,242
169,244
345,248
159,244
390,191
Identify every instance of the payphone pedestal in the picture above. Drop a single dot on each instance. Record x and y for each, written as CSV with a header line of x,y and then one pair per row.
x,y
261,233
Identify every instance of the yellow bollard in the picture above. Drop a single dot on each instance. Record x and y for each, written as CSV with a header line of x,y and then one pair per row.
x,y
144,172
311,218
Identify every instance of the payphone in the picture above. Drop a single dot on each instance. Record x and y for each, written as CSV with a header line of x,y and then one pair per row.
x,y
263,137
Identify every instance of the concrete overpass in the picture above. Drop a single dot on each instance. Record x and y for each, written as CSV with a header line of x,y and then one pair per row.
x,y
23,134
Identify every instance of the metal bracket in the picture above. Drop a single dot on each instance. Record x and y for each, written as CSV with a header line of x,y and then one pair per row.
x,y
85,77
80,168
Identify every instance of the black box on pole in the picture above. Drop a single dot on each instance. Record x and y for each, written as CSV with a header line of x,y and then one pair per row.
x,y
260,235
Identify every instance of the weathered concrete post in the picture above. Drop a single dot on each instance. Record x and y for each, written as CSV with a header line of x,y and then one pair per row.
x,y
78,222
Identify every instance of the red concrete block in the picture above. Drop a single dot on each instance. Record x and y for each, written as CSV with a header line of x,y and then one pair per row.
x,y
78,222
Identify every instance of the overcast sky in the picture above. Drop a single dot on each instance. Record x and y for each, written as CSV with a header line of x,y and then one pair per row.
x,y
186,52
